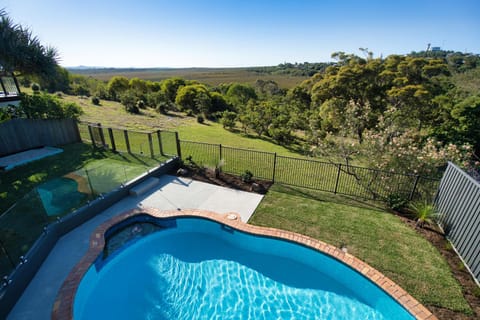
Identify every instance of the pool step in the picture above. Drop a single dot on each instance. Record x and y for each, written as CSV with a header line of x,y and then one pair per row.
x,y
144,186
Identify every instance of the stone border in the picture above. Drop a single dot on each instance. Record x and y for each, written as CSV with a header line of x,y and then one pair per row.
x,y
63,306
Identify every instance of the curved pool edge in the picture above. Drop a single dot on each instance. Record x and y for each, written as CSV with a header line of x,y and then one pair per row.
x,y
63,306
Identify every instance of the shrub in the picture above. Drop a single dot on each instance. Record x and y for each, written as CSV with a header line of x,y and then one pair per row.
x,y
396,201
141,104
96,101
424,212
200,119
46,106
247,176
35,88
228,119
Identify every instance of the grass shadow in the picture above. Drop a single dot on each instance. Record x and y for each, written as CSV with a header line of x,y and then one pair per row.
x,y
323,196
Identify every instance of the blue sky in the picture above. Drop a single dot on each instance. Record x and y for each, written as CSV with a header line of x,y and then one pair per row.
x,y
226,33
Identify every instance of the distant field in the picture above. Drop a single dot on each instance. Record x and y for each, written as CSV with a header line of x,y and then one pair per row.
x,y
211,76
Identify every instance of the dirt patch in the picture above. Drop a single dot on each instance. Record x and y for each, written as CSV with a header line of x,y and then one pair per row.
x,y
471,291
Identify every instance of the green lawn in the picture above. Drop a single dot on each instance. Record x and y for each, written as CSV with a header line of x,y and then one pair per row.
x,y
371,234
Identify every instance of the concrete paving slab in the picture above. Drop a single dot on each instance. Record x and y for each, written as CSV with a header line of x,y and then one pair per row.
x,y
171,193
20,158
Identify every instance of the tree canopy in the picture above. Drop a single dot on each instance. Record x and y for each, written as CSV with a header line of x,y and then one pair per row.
x,y
22,52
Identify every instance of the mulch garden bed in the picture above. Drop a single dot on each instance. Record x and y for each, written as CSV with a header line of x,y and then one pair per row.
x,y
226,180
471,291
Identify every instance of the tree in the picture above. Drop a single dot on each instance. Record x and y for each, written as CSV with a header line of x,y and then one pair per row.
x,y
228,119
467,115
171,86
195,98
116,86
240,94
130,101
159,101
353,84
219,103
22,52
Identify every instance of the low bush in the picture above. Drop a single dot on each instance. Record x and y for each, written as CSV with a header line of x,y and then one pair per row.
x,y
96,101
247,176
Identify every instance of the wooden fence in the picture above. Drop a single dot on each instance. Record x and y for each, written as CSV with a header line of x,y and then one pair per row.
x,y
458,204
22,134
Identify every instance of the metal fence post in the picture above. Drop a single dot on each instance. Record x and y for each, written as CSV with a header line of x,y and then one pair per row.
x,y
219,153
160,146
90,132
338,177
412,193
100,132
127,143
274,166
179,151
112,139
7,255
150,144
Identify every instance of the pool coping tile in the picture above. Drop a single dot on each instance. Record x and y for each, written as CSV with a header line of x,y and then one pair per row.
x,y
63,306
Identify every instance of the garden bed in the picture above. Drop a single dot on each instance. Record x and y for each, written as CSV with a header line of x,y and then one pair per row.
x,y
226,180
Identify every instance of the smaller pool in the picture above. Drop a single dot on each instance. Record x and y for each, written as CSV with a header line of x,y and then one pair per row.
x,y
197,268
60,196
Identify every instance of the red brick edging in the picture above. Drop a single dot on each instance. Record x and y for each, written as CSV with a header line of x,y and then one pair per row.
x,y
63,306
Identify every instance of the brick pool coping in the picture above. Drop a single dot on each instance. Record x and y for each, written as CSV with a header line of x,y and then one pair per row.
x,y
63,306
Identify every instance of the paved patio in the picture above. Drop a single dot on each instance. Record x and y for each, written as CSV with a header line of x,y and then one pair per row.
x,y
171,193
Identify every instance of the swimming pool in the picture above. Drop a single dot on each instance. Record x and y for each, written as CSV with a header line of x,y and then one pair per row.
x,y
60,195
193,267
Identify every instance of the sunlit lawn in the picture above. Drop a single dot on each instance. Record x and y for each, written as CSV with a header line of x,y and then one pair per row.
x,y
373,235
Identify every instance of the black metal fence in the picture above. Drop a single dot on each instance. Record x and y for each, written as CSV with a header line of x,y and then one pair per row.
x,y
309,173
339,178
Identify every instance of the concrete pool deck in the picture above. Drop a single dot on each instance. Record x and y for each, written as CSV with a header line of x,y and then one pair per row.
x,y
172,193
21,158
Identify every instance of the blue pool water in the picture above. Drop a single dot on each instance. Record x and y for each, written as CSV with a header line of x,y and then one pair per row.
x,y
60,196
199,269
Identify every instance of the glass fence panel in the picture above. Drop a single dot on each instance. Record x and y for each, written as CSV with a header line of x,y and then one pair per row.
x,y
23,223
20,226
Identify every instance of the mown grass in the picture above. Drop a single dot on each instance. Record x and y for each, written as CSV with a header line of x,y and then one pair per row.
x,y
371,234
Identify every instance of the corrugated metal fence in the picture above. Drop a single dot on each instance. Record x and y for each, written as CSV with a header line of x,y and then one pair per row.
x,y
22,134
458,204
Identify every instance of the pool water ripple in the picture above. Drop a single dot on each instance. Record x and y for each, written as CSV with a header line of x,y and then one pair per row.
x,y
228,290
